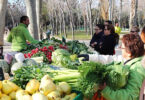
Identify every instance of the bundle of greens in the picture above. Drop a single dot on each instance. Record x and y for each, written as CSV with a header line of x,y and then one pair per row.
x,y
92,74
23,75
75,47
26,73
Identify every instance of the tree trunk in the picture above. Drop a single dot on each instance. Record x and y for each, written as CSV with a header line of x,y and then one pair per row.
x,y
38,13
90,17
104,9
133,13
60,22
64,25
10,12
110,10
113,8
85,24
3,8
31,12
71,19
120,12
53,23
56,22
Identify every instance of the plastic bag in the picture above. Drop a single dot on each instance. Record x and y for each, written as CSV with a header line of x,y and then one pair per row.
x,y
8,58
19,57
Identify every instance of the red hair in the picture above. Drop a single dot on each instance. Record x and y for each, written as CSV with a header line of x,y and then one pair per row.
x,y
133,44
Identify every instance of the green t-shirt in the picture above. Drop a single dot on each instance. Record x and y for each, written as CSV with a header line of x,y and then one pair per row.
x,y
18,37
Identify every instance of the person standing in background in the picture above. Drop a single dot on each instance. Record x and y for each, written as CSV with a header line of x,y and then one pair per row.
x,y
134,30
108,22
106,44
117,28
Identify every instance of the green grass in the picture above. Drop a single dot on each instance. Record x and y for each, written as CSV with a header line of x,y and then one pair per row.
x,y
78,35
81,35
125,32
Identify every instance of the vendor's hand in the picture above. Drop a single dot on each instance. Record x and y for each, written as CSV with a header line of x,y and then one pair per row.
x,y
102,86
86,57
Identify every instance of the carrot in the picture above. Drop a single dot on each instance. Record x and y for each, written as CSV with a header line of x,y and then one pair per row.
x,y
96,97
101,98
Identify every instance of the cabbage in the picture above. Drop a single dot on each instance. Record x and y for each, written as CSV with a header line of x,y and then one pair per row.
x,y
61,58
117,76
4,65
16,66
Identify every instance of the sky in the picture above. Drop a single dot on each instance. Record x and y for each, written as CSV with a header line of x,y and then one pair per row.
x,y
11,1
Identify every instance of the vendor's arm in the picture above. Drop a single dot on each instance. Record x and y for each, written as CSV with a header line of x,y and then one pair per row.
x,y
105,59
29,37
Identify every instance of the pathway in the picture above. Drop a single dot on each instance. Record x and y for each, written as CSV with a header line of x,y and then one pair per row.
x,y
7,46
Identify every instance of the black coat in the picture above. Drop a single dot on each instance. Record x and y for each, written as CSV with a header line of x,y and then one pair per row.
x,y
106,45
96,37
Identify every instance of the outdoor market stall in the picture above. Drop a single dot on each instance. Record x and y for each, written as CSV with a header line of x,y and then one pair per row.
x,y
54,63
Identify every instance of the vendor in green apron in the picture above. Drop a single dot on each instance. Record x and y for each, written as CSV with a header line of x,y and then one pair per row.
x,y
20,35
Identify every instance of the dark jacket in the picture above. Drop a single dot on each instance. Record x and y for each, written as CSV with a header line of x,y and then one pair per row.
x,y
96,37
106,45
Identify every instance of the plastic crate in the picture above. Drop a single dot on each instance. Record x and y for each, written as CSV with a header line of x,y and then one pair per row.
x,y
79,95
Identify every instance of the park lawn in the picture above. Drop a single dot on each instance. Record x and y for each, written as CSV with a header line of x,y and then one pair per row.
x,y
124,32
78,35
81,35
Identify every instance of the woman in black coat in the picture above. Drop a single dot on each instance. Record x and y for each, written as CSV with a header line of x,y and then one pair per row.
x,y
99,31
106,44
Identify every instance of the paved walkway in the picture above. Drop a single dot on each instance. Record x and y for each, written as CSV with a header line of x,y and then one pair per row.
x,y
7,46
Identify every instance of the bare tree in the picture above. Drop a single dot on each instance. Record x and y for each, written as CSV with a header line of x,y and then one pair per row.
x,y
15,10
84,15
133,13
71,18
31,11
3,6
38,13
56,20
110,9
64,25
104,9
90,17
120,12
12,17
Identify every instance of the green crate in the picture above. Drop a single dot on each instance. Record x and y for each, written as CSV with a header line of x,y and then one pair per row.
x,y
79,95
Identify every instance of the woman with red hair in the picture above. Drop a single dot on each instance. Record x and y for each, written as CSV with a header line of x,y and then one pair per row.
x,y
132,48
